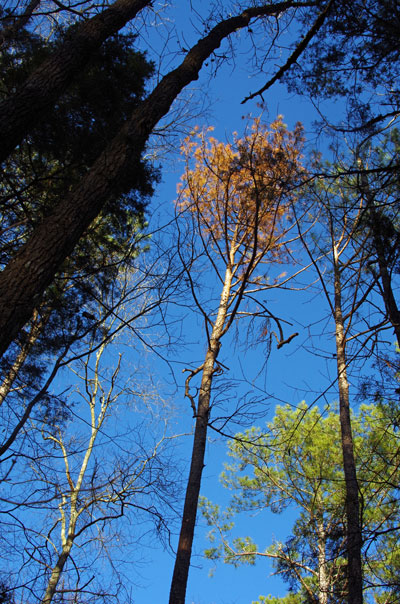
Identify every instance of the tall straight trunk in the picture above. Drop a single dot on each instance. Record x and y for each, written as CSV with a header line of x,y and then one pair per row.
x,y
354,536
184,552
26,277
392,311
23,109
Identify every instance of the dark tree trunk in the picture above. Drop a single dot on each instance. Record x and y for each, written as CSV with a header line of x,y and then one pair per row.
x,y
184,552
392,311
353,522
26,277
25,108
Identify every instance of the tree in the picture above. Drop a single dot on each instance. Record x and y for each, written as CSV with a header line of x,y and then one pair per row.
x,y
296,463
236,198
379,194
86,470
354,55
112,173
86,115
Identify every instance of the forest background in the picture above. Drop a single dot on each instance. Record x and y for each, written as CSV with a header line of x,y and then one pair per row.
x,y
159,335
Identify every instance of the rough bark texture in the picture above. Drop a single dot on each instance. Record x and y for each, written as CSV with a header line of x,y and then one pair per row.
x,y
22,110
26,277
354,536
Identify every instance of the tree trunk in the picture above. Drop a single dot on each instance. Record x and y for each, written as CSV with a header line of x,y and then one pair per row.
x,y
392,311
323,579
26,277
56,572
354,536
29,103
182,561
183,555
9,379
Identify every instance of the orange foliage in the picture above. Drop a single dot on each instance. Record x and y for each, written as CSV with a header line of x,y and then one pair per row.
x,y
239,193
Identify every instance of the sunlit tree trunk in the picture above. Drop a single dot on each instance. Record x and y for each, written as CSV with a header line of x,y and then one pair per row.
x,y
323,578
12,373
354,536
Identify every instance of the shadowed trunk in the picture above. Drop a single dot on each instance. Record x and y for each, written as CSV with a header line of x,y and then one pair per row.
x,y
22,110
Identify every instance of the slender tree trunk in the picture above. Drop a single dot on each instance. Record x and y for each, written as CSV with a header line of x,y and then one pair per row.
x,y
183,555
24,280
354,536
22,110
22,355
391,307
323,579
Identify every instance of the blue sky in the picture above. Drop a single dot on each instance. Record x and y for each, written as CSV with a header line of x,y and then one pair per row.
x,y
290,375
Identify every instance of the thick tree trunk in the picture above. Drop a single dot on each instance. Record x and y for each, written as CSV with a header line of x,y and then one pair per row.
x,y
354,536
26,277
184,552
56,572
25,108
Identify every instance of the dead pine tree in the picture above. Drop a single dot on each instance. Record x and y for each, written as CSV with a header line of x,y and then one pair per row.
x,y
235,199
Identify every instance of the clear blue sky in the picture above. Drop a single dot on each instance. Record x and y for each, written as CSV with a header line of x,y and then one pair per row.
x,y
290,373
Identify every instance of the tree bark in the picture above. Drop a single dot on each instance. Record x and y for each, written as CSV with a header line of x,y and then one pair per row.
x,y
12,373
23,109
354,535
24,280
323,579
184,552
57,570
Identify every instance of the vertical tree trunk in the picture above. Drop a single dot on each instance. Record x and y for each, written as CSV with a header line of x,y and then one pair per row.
x,y
392,311
183,555
354,536
323,579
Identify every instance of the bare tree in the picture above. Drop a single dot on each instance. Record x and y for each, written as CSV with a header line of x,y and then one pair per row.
x,y
93,465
